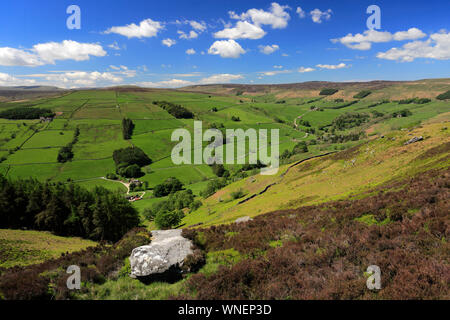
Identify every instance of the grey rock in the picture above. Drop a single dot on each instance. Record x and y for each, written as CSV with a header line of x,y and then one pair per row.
x,y
413,140
167,250
243,219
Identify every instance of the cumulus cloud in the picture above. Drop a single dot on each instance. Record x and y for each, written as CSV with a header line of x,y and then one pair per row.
x,y
331,66
123,71
274,73
114,46
242,30
199,26
191,35
176,83
48,53
67,50
226,49
269,49
250,22
301,13
146,29
277,16
220,78
168,42
364,41
303,69
278,67
318,15
9,80
190,51
16,57
437,46
77,79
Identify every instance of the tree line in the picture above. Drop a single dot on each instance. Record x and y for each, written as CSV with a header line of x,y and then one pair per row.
x,y
66,210
127,128
176,110
26,113
66,153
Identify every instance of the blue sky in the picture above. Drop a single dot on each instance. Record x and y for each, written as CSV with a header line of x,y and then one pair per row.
x,y
178,43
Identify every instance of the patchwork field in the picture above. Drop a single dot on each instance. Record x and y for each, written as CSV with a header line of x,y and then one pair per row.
x,y
29,148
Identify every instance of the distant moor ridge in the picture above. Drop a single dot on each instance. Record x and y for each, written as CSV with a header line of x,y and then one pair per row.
x,y
426,88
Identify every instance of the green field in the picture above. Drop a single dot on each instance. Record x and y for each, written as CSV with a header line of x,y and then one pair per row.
x,y
22,248
29,148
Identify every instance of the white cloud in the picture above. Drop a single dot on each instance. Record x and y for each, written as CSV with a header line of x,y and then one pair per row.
x,y
16,57
146,29
177,83
301,13
274,73
318,15
9,80
67,50
114,46
192,34
331,66
277,16
76,79
410,34
199,26
190,51
168,42
250,22
48,53
226,49
242,30
123,71
269,49
220,78
437,46
303,69
278,67
364,41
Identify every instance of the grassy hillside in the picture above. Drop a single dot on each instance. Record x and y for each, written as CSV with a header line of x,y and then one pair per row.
x,y
357,195
22,248
389,207
338,176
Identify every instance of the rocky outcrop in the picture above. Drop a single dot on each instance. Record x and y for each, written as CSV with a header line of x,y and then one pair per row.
x,y
166,252
413,140
243,219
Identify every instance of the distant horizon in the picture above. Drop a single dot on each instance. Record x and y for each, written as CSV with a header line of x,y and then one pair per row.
x,y
175,44
220,84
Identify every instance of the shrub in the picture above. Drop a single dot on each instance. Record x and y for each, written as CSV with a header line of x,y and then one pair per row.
x,y
237,194
168,219
133,171
218,169
111,176
177,111
401,113
127,128
169,186
328,92
444,96
362,94
212,187
349,120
